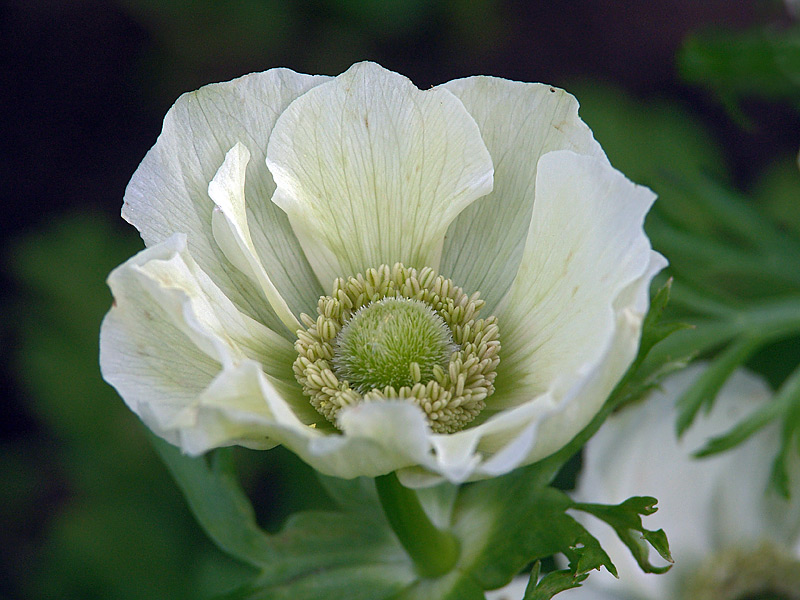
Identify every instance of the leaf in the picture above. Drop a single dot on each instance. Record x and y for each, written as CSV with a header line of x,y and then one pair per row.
x,y
218,503
507,522
626,519
706,387
317,554
551,584
785,404
761,63
790,433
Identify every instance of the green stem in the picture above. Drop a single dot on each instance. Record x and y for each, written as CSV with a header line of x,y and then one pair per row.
x,y
433,551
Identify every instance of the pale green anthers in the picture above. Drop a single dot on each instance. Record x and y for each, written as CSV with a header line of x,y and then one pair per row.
x,y
399,333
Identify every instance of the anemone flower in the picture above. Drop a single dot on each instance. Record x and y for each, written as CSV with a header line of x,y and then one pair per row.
x,y
445,283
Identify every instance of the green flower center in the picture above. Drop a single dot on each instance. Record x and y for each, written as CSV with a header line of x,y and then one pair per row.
x,y
392,342
395,332
764,573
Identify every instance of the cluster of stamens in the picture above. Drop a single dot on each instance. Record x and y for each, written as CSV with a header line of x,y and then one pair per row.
x,y
451,394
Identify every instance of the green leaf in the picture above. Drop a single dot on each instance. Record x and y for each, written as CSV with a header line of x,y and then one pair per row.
x,y
653,330
456,585
706,387
317,554
762,63
785,405
218,502
507,522
626,519
551,584
790,442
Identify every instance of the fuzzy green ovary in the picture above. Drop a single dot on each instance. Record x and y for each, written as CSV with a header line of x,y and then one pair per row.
x,y
393,342
440,315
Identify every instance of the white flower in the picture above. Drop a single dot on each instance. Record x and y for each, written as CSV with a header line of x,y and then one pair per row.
x,y
262,191
722,522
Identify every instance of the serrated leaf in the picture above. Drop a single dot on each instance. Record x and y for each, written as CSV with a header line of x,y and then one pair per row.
x,y
552,584
626,520
507,522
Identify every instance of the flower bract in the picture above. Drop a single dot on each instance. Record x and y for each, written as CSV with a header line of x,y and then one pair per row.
x,y
276,206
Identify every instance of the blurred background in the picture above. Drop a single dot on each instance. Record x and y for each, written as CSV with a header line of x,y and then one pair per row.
x,y
682,94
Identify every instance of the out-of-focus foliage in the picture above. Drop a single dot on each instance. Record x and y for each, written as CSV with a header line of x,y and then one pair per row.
x,y
735,259
314,36
760,63
778,190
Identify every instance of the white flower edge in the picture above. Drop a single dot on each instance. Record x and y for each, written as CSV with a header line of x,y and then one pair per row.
x,y
704,505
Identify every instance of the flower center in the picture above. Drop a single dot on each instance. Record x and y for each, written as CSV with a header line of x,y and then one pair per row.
x,y
765,573
392,342
395,332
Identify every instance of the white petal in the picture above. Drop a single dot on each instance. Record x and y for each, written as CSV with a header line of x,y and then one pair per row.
x,y
571,321
377,438
229,225
170,334
372,170
231,411
519,123
169,191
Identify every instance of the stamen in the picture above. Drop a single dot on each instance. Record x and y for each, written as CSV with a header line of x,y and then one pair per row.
x,y
440,357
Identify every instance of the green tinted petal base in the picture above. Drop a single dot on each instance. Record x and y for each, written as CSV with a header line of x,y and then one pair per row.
x,y
395,332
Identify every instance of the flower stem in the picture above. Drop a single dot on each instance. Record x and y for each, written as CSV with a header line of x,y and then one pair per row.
x,y
433,550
